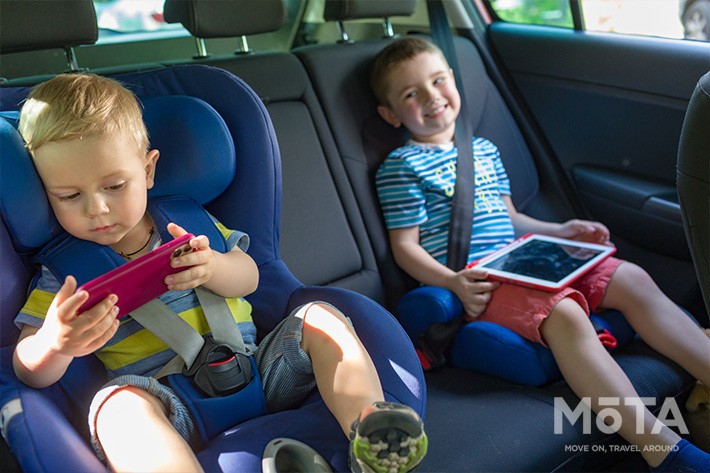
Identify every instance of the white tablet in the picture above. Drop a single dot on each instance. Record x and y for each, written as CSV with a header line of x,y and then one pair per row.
x,y
543,262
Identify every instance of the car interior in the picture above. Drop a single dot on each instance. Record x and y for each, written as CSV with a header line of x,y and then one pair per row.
x,y
595,138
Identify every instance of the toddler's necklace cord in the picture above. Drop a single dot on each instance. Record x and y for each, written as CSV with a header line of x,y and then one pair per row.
x,y
128,255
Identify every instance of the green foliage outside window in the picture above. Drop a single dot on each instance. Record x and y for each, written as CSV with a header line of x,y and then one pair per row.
x,y
536,12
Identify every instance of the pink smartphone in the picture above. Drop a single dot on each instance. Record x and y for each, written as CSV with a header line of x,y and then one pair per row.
x,y
139,281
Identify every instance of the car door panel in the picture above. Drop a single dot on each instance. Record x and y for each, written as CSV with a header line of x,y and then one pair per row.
x,y
613,122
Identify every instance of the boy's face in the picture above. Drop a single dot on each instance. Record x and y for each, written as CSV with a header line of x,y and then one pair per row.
x,y
98,188
422,96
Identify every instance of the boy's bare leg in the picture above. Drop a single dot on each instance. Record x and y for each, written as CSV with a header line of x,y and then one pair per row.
x,y
137,436
345,375
658,320
592,372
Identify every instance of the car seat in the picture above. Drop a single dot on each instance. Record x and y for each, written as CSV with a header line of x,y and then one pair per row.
x,y
45,428
694,181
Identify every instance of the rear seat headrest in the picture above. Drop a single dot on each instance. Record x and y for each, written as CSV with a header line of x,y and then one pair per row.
x,y
341,10
197,159
224,19
47,25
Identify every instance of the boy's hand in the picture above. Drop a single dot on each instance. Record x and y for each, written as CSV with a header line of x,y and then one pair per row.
x,y
200,262
69,333
584,230
475,292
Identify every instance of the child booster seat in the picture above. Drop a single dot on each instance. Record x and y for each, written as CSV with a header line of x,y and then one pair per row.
x,y
429,314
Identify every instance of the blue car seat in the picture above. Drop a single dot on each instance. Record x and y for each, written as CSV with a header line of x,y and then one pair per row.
x,y
46,428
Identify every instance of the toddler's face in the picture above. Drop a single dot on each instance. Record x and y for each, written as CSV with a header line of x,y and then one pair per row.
x,y
423,97
98,188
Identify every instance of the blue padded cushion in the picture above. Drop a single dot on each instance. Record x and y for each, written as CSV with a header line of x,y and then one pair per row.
x,y
427,305
184,129
22,195
489,348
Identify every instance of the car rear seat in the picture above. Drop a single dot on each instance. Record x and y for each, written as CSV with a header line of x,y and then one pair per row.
x,y
323,238
490,424
476,422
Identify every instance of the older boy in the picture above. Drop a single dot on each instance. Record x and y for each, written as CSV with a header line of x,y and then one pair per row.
x,y
416,89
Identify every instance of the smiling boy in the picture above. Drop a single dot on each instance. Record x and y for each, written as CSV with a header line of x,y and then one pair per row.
x,y
415,88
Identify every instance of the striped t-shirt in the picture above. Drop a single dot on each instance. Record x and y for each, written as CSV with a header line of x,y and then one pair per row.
x,y
133,349
415,186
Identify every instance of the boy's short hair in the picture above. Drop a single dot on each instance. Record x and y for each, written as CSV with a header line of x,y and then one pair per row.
x,y
72,106
399,51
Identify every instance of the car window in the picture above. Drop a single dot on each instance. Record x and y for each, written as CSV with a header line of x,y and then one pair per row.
x,y
124,20
689,19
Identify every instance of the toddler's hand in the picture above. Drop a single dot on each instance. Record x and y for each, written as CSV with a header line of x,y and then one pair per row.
x,y
199,263
474,291
77,334
584,230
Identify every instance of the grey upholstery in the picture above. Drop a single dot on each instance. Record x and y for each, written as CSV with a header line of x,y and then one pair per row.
x,y
339,10
65,24
694,181
220,19
323,238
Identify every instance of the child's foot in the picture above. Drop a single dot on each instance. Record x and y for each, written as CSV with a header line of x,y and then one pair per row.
x,y
390,439
686,458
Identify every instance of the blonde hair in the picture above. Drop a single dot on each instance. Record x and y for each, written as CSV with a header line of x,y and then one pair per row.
x,y
73,106
399,51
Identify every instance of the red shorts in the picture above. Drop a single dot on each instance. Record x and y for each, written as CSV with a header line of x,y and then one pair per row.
x,y
523,309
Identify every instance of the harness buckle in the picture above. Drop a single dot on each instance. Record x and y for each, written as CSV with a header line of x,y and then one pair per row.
x,y
219,371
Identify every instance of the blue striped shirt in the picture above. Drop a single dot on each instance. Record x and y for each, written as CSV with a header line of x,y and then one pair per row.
x,y
415,186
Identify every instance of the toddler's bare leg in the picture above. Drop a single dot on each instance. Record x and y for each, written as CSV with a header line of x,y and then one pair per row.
x,y
137,436
345,375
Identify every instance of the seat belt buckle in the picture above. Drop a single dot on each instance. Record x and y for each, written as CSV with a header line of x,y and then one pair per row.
x,y
219,371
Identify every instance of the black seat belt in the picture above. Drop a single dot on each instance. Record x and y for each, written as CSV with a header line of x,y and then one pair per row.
x,y
460,224
436,340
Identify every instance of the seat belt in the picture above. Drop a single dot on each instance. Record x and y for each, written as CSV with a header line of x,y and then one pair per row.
x,y
218,363
462,206
432,345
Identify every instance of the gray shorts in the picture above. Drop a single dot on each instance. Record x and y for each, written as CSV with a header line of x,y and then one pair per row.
x,y
286,374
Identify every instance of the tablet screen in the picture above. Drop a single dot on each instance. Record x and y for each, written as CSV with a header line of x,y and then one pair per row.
x,y
549,261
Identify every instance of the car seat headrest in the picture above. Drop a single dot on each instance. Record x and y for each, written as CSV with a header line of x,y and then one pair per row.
x,y
226,19
197,156
341,10
197,159
64,23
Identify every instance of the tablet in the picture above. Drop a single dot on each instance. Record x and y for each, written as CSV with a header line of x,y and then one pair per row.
x,y
139,281
543,262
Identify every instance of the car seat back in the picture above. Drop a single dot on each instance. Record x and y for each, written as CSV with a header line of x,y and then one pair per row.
x,y
694,181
